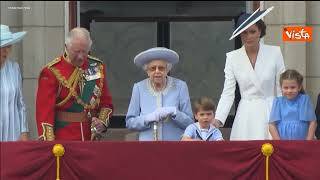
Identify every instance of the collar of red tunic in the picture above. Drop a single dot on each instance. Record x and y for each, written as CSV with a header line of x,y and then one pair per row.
x,y
71,66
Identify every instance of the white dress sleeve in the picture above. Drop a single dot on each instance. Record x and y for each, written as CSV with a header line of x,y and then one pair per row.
x,y
228,93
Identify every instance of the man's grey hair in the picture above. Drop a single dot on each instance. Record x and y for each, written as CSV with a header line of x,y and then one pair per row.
x,y
169,66
78,32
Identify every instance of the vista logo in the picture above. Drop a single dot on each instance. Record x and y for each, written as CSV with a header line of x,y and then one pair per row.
x,y
297,33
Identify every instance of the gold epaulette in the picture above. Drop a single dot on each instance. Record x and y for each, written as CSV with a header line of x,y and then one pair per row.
x,y
53,62
94,58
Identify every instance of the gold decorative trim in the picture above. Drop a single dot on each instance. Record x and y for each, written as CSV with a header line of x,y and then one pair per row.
x,y
47,132
58,151
94,58
53,62
65,55
72,83
104,116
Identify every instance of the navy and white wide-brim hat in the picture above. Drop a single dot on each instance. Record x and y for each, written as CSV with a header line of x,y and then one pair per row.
x,y
9,38
157,53
246,20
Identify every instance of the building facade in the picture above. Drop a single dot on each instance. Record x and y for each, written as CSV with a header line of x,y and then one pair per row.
x,y
199,30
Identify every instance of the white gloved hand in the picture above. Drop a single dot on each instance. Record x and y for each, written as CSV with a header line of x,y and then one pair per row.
x,y
164,112
152,117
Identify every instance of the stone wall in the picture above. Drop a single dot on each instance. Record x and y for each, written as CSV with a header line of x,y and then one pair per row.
x,y
45,24
304,57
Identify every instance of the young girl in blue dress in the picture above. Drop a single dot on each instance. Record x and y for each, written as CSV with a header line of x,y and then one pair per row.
x,y
292,116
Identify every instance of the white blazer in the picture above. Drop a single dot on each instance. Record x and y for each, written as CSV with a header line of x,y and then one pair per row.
x,y
257,86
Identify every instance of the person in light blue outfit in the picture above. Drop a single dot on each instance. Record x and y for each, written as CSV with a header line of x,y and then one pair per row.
x,y
194,132
317,111
292,116
13,124
160,107
203,130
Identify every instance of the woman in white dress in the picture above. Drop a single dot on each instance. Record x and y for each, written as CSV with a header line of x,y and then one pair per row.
x,y
13,124
257,68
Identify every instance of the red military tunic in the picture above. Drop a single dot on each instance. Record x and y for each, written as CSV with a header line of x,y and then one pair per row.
x,y
60,89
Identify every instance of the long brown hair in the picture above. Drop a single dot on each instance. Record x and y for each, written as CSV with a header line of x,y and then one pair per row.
x,y
292,74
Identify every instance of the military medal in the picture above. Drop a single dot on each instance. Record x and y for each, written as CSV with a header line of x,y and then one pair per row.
x,y
96,91
92,73
82,82
92,100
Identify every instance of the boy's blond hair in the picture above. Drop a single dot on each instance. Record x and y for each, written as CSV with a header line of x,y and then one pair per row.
x,y
204,103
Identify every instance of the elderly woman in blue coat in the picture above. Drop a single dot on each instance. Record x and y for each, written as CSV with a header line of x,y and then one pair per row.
x,y
160,107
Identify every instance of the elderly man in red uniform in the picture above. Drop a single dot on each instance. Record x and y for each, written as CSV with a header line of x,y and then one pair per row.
x,y
73,99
